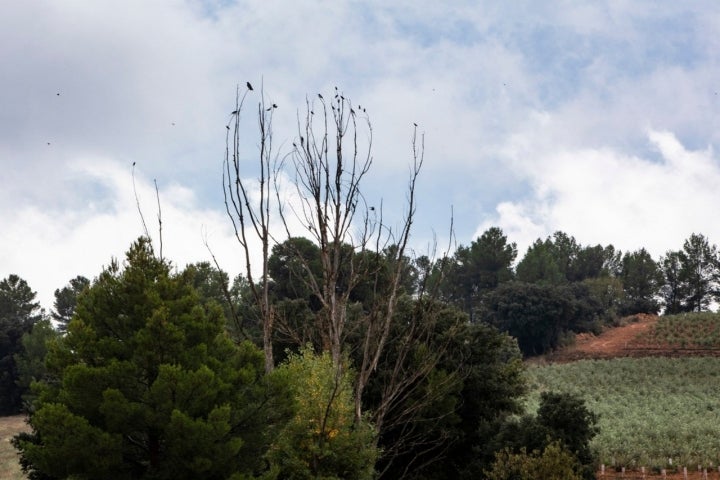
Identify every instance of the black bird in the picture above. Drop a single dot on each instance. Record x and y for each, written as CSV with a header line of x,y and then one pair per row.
x,y
234,112
415,124
274,105
48,143
227,126
321,97
352,112
58,94
312,113
372,209
249,86
133,162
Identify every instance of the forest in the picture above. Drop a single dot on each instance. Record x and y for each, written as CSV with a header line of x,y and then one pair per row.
x,y
337,354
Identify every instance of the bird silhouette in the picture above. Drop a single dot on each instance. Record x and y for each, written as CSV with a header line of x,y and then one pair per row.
x,y
249,86
58,94
321,97
372,209
48,143
415,124
234,112
274,105
133,164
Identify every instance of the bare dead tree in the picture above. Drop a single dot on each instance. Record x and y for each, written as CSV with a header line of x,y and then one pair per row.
x,y
142,217
250,216
329,161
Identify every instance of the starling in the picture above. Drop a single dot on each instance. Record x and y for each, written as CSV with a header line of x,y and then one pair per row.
x,y
249,86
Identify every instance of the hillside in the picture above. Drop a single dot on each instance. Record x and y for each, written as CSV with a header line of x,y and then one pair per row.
x,y
653,381
645,336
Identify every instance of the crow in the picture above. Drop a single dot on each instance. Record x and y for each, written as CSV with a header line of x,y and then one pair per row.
x,y
249,86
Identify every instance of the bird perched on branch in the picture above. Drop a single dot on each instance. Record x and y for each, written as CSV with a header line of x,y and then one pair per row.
x,y
249,86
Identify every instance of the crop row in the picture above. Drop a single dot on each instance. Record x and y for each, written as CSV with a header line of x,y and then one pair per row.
x,y
690,330
653,411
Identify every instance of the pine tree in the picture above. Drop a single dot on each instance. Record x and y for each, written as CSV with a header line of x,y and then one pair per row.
x,y
149,385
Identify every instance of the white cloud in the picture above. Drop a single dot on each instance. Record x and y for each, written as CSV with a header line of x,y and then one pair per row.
x,y
605,196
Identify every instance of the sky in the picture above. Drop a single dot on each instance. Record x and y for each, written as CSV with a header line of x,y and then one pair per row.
x,y
597,118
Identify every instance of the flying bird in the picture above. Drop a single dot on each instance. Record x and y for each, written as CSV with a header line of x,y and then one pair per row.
x,y
249,86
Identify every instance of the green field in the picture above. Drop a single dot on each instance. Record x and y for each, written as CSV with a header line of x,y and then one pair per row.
x,y
689,330
651,409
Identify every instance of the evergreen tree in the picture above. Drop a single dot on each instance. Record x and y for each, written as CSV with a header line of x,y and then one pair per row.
x,y
642,280
66,301
150,387
18,313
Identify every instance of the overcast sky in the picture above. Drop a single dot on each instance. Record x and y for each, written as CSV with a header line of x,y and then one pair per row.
x,y
597,118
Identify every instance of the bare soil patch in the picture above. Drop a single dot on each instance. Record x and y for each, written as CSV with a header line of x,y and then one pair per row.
x,y
9,465
622,341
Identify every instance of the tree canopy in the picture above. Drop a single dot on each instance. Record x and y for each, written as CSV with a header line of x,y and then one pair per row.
x,y
149,385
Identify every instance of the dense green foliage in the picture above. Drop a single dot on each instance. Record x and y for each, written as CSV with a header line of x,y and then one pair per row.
x,y
553,462
66,299
148,385
562,417
650,409
321,440
18,313
30,360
